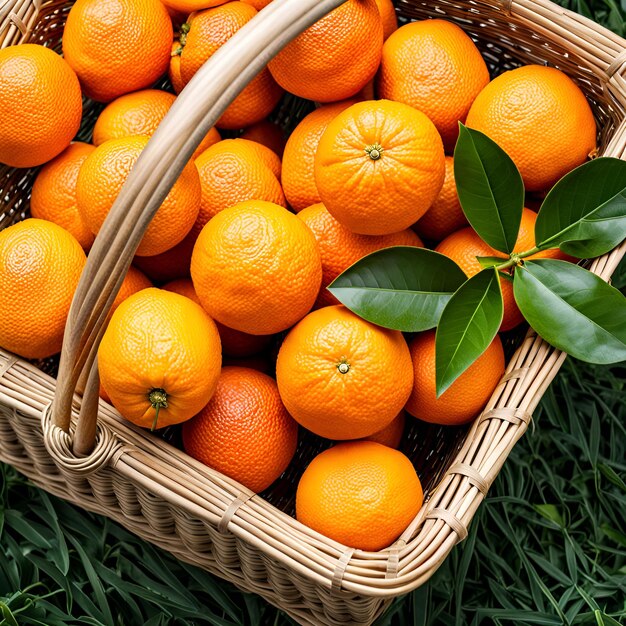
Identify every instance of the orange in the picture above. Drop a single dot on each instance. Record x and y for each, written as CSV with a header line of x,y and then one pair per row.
x,y
342,377
40,105
245,431
360,493
40,264
234,343
436,68
388,17
173,71
334,58
467,395
134,281
256,268
445,215
379,166
189,6
258,4
258,151
340,247
140,113
102,176
54,192
267,133
298,178
540,118
159,359
117,46
208,31
169,265
390,435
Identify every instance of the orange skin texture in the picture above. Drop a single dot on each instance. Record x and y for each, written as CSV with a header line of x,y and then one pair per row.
x,y
435,67
173,71
235,344
388,17
233,171
465,245
117,46
189,6
159,340
140,113
340,247
209,31
352,404
54,192
334,58
388,194
169,265
134,281
40,105
268,134
390,435
245,431
467,395
298,172
40,265
445,215
256,268
102,176
540,118
257,4
359,493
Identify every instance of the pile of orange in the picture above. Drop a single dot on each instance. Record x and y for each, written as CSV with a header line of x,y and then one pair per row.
x,y
224,322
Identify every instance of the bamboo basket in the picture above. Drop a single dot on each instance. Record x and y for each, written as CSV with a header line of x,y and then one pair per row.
x,y
48,428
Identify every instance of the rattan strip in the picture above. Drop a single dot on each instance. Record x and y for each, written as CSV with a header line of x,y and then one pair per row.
x,y
17,18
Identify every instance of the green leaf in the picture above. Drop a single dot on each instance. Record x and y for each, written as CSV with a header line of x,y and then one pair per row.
x,y
490,188
572,309
468,325
585,212
490,261
403,288
550,512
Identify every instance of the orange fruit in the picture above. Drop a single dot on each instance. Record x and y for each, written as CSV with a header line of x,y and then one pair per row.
x,y
540,118
40,105
298,177
256,268
184,287
379,166
140,113
134,281
388,17
173,71
335,57
54,192
117,46
435,67
160,358
208,31
189,6
270,135
390,435
467,395
102,176
445,214
40,264
257,4
340,247
169,265
342,377
245,431
360,493
258,151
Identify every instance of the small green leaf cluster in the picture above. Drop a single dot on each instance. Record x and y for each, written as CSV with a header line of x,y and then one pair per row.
x,y
584,215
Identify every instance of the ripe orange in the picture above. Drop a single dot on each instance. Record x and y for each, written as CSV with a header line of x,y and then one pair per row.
x,y
169,265
540,118
257,4
140,113
117,46
256,268
184,287
258,151
40,105
340,247
388,17
102,176
54,192
360,493
390,435
270,135
342,377
245,431
159,358
189,6
40,264
379,166
208,31
467,395
173,71
298,177
445,215
436,68
134,281
335,57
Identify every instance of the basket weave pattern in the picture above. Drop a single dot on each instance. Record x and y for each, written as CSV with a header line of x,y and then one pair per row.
x,y
203,517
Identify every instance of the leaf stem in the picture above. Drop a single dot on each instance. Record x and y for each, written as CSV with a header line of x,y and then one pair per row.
x,y
516,258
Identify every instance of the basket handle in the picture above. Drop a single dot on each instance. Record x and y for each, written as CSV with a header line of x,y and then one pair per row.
x,y
191,116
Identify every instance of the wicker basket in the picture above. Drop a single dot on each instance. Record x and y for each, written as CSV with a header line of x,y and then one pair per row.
x,y
164,496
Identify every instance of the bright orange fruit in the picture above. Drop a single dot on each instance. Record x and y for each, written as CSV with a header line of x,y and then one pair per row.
x,y
268,134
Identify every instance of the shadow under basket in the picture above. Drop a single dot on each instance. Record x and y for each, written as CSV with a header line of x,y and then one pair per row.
x,y
159,493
